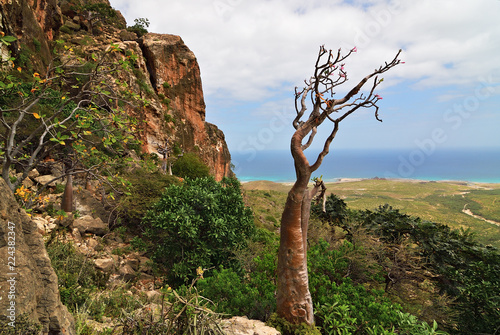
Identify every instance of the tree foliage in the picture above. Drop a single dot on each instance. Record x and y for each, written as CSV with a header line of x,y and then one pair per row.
x,y
72,114
200,223
190,166
464,269
140,26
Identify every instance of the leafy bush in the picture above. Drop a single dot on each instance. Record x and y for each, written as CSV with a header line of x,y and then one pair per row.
x,y
190,166
140,26
336,211
200,223
146,187
287,328
467,271
252,295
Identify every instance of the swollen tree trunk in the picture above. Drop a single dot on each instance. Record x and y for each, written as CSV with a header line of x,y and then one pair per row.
x,y
67,198
294,302
293,297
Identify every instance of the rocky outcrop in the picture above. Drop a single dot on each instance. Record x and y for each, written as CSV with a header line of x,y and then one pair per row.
x,y
27,280
34,23
175,75
166,71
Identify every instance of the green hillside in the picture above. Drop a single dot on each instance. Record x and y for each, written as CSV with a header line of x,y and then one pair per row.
x,y
441,202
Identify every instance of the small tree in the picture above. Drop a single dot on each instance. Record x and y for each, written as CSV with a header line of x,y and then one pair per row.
x,y
71,114
294,302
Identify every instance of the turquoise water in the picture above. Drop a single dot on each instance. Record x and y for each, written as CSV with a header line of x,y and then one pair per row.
x,y
473,165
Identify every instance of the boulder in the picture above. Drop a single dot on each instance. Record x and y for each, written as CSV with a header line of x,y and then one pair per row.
x,y
76,235
145,265
87,224
33,173
42,180
127,273
20,240
241,325
126,35
86,204
133,262
92,243
105,264
65,221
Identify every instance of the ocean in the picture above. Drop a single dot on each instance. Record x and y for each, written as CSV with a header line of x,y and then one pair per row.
x,y
472,165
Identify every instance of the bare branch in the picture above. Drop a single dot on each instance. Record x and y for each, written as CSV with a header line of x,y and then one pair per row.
x,y
311,138
326,147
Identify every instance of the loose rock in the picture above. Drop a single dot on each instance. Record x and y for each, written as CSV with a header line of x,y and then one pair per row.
x,y
87,224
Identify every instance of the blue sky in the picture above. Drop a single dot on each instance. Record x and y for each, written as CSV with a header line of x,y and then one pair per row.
x,y
253,53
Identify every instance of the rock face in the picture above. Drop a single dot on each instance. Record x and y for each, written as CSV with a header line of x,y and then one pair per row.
x,y
27,280
166,72
34,23
175,74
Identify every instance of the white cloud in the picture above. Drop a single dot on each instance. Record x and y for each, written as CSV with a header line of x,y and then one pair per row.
x,y
248,47
254,50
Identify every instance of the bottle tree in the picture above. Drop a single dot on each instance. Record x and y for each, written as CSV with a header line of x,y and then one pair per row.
x,y
294,302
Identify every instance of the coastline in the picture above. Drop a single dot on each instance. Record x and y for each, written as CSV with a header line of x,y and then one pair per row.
x,y
464,165
406,180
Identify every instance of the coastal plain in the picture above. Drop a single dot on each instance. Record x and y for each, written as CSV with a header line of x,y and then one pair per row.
x,y
460,205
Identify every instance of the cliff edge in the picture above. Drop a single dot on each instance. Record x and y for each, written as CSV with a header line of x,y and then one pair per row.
x,y
166,71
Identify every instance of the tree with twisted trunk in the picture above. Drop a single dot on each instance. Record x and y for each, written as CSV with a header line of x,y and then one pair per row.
x,y
294,302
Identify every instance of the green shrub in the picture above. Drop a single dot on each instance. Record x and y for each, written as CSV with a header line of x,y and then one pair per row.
x,y
466,271
287,328
37,44
169,118
200,223
146,188
336,211
252,295
140,26
190,166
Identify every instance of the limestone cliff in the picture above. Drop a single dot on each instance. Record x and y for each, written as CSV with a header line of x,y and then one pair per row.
x,y
166,71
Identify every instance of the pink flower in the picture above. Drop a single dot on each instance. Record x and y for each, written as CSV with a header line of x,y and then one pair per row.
x,y
402,62
354,49
378,97
342,75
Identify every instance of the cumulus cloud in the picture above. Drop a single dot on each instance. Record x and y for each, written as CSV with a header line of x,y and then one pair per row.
x,y
247,48
251,51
